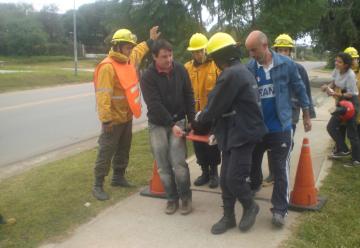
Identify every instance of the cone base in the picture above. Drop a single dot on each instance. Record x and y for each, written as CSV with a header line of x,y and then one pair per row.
x,y
300,208
146,192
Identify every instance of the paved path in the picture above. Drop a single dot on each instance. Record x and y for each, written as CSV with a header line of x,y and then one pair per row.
x,y
140,222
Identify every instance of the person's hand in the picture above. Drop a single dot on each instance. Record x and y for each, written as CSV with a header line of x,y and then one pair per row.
x,y
330,91
324,87
307,123
154,33
107,127
177,131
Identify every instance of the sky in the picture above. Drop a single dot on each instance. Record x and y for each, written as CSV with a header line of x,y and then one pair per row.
x,y
63,5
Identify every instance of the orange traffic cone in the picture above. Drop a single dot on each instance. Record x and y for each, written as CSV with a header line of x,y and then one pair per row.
x,y
155,188
304,195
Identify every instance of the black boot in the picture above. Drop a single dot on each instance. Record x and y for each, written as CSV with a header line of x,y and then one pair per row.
x,y
249,216
226,222
118,179
214,177
98,191
204,178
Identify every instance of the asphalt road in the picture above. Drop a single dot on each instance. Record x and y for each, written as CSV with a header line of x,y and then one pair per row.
x,y
38,121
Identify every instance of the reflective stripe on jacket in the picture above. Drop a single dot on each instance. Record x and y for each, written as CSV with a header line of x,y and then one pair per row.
x,y
112,102
203,78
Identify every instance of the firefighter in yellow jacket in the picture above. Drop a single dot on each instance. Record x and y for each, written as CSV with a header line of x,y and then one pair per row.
x,y
203,74
118,99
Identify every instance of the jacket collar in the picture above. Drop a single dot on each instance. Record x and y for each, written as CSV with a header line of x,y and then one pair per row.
x,y
159,71
118,57
278,59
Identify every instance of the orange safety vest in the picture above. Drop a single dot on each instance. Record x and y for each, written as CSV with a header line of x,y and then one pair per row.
x,y
128,79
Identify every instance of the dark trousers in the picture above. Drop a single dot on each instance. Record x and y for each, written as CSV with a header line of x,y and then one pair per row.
x,y
342,132
235,169
278,146
334,127
207,155
114,148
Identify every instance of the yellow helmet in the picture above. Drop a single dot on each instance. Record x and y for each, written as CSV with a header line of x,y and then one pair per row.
x,y
219,41
352,52
124,35
284,40
197,42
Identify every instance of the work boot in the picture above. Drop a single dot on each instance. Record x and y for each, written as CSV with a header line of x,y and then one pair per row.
x,y
204,178
269,180
186,206
214,177
171,207
118,179
226,222
249,216
98,191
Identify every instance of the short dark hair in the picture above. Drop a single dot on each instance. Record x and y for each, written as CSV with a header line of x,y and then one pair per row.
x,y
226,55
346,58
160,44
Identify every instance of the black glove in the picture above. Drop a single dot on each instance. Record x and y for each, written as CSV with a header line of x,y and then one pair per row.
x,y
201,128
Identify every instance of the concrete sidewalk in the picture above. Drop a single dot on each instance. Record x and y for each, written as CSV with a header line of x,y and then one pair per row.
x,y
140,221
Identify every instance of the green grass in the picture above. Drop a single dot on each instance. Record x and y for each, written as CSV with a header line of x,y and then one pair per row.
x,y
338,223
48,201
42,72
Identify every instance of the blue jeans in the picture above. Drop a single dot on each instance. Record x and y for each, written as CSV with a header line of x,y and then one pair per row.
x,y
170,155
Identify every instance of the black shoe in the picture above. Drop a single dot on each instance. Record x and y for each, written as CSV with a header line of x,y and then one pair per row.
x,y
335,155
354,164
225,223
202,180
118,179
100,194
214,177
249,216
214,182
278,220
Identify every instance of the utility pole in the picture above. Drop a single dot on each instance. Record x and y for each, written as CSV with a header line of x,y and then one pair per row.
x,y
75,43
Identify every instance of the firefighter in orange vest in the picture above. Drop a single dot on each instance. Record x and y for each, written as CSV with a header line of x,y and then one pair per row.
x,y
118,99
203,73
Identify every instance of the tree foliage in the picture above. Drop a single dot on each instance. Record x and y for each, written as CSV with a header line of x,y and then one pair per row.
x,y
339,26
333,24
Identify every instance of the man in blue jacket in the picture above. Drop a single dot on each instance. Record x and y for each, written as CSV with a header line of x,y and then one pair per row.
x,y
284,45
277,76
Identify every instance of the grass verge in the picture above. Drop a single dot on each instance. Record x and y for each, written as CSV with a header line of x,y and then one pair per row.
x,y
338,223
48,201
30,73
